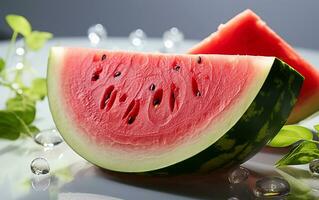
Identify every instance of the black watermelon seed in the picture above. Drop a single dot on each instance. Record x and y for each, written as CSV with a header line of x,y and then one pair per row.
x,y
152,87
156,102
177,67
130,120
198,94
95,77
117,74
199,60
103,57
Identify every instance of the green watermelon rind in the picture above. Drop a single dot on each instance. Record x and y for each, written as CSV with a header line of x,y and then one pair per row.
x,y
118,162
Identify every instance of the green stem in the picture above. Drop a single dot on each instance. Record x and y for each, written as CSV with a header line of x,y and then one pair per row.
x,y
9,86
314,141
12,42
3,74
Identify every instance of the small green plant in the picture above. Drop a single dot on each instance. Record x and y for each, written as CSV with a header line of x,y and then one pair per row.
x,y
306,148
20,109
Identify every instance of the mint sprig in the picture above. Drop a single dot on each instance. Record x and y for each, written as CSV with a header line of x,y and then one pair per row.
x,y
20,111
306,148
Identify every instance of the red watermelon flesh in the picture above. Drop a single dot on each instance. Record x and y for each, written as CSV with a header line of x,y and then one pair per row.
x,y
152,109
247,34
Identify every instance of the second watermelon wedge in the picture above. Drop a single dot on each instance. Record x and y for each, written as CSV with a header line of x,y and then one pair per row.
x,y
247,34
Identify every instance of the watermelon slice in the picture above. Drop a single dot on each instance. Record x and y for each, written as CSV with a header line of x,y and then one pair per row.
x,y
134,112
247,34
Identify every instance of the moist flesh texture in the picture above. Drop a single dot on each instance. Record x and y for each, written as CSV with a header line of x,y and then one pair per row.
x,y
247,34
149,110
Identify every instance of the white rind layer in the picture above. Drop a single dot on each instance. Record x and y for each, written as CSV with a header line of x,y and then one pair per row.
x,y
116,160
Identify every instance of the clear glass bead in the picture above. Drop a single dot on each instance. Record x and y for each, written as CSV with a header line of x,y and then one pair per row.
x,y
96,34
138,38
48,138
40,166
172,38
238,175
314,167
271,187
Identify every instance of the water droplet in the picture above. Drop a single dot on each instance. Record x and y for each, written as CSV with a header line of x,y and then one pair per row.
x,y
19,91
48,138
172,38
232,198
271,187
238,175
138,38
41,183
314,167
20,51
20,47
15,86
40,166
96,34
19,66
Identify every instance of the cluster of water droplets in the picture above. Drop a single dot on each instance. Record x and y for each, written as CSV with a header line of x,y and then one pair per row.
x,y
97,34
40,166
138,38
267,187
172,38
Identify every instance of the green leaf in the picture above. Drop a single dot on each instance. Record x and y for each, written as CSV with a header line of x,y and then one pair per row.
x,y
22,107
317,127
38,89
37,39
19,24
302,154
2,64
11,126
289,135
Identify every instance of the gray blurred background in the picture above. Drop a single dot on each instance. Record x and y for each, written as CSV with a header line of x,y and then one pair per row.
x,y
294,20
